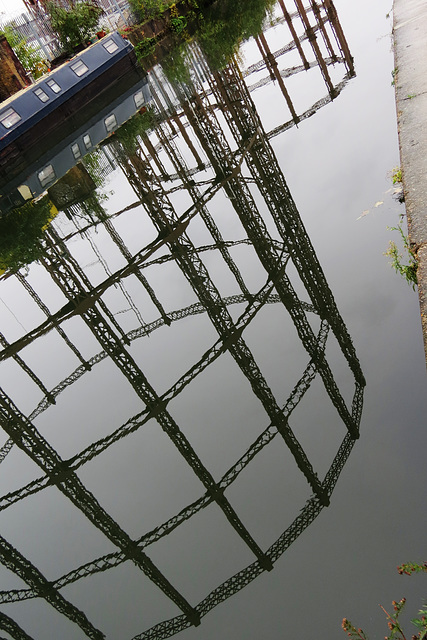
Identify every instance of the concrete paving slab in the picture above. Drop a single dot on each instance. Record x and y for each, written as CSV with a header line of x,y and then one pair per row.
x,y
410,51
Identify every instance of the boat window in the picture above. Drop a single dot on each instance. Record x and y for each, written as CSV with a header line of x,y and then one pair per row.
x,y
139,99
110,45
110,122
9,117
54,86
87,141
47,176
76,150
79,68
42,95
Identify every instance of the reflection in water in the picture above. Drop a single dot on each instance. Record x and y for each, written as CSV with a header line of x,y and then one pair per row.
x,y
213,120
43,167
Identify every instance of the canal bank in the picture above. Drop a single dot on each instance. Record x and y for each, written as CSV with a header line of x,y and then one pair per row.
x,y
410,51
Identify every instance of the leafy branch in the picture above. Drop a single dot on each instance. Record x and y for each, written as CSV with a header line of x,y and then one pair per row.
x,y
410,567
407,271
396,631
352,632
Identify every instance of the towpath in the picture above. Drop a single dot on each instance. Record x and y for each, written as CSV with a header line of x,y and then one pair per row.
x,y
410,50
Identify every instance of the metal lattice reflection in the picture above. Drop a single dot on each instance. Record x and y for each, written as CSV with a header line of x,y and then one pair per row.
x,y
215,120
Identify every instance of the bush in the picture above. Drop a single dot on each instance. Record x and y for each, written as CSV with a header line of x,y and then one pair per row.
x,y
75,26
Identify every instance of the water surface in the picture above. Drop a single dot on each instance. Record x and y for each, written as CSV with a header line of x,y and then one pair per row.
x,y
267,190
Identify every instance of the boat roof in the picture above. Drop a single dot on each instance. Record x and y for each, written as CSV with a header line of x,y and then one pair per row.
x,y
53,72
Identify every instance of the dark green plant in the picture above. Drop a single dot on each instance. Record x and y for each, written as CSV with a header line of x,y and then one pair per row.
x,y
407,271
27,55
21,233
75,26
393,621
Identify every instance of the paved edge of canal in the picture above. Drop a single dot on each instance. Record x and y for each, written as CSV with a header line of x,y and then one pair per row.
x,y
410,56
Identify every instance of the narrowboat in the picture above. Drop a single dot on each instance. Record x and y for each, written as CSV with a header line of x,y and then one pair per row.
x,y
30,118
69,150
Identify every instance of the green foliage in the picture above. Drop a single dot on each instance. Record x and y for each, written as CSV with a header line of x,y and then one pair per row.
x,y
178,24
93,163
222,26
149,9
407,271
92,207
396,176
226,24
421,622
408,568
27,55
136,126
137,10
145,47
21,232
175,66
393,622
75,26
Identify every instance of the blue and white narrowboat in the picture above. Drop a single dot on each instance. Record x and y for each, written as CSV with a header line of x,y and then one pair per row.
x,y
66,152
46,108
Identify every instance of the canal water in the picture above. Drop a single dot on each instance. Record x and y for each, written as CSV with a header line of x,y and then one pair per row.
x,y
213,347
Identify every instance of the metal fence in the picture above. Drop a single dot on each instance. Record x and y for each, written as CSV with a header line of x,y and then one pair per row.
x,y
37,31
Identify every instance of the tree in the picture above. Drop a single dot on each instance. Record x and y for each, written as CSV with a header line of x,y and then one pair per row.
x,y
75,26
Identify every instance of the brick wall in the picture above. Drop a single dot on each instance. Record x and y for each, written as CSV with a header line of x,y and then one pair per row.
x,y
12,73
